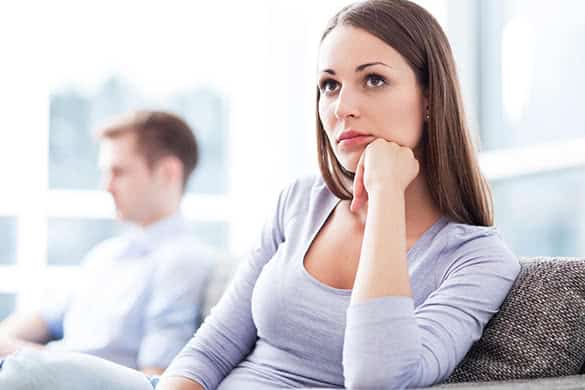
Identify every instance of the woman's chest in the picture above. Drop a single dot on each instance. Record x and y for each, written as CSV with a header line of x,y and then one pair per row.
x,y
296,313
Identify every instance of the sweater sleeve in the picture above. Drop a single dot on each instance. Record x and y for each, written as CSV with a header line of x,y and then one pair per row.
x,y
228,334
391,344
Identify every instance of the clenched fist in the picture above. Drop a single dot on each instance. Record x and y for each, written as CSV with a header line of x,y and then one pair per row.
x,y
383,165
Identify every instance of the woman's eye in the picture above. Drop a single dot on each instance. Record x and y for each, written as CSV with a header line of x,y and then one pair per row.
x,y
329,86
373,80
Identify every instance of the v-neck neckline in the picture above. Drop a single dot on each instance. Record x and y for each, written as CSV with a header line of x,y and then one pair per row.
x,y
328,211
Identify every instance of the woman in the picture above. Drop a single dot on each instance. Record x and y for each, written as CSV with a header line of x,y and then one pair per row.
x,y
382,272
385,270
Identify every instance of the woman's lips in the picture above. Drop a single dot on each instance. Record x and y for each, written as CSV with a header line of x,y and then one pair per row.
x,y
357,140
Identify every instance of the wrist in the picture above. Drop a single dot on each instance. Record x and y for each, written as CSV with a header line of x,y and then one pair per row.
x,y
385,193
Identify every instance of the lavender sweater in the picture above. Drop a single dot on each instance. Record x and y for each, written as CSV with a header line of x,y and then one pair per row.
x,y
279,327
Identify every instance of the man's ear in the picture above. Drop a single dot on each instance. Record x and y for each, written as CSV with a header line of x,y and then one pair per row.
x,y
171,169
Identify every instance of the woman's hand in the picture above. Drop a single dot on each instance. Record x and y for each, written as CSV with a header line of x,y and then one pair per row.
x,y
177,383
383,165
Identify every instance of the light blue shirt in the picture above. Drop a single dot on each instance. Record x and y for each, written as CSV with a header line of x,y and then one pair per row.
x,y
138,299
279,327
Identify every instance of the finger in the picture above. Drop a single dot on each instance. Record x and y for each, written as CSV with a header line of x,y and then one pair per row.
x,y
361,200
358,186
356,201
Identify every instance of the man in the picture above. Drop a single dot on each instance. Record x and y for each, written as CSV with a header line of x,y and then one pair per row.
x,y
138,299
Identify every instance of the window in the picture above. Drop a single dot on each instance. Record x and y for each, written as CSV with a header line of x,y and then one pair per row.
x,y
7,240
532,62
73,172
521,69
543,214
69,240
246,90
75,114
7,304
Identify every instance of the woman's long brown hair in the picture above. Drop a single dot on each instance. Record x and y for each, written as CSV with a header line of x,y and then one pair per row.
x,y
449,159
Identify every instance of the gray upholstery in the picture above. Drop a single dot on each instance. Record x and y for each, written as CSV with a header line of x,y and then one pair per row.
x,y
540,329
218,282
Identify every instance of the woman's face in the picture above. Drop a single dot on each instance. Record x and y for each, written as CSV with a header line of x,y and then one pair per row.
x,y
367,91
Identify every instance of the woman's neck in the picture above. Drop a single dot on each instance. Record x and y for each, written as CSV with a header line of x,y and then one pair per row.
x,y
421,210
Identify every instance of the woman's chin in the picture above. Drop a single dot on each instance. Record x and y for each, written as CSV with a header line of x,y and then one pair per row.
x,y
349,165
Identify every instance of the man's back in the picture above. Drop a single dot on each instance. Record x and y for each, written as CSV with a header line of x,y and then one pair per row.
x,y
138,299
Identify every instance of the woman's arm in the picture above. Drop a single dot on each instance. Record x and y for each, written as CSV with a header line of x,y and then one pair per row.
x,y
384,171
382,269
228,334
390,344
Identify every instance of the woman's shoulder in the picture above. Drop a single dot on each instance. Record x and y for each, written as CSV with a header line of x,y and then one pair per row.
x,y
305,190
481,246
307,185
465,235
307,196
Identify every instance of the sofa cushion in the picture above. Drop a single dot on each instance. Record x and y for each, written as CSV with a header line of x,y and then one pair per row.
x,y
219,279
539,330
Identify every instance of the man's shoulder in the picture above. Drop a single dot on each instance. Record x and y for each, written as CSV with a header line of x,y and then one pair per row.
x,y
184,248
107,249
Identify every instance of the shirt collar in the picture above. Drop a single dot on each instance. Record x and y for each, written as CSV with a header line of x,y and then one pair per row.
x,y
165,227
144,239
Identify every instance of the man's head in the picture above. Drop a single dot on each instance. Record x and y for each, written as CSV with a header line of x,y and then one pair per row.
x,y
147,158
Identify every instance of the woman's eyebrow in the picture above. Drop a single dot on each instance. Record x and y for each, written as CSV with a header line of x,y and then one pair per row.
x,y
364,66
359,68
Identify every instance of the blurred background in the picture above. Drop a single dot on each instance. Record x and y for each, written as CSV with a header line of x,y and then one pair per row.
x,y
243,74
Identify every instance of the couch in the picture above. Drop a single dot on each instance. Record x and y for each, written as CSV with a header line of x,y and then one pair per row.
x,y
535,341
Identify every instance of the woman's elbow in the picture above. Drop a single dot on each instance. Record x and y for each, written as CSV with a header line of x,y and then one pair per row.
x,y
368,375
